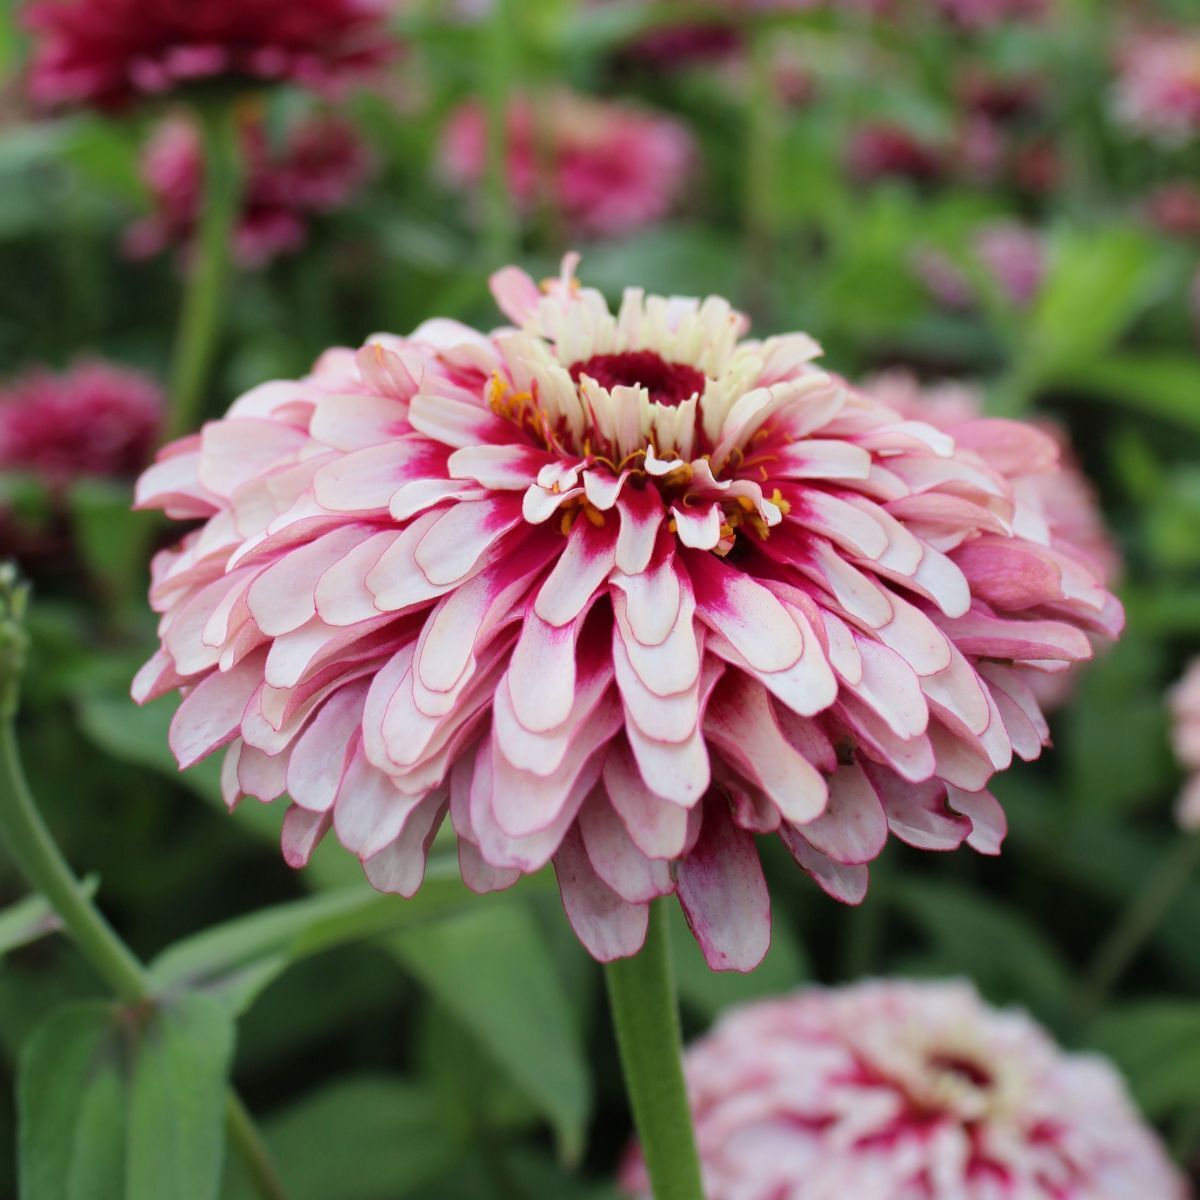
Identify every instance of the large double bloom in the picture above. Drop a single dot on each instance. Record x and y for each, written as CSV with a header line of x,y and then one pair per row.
x,y
617,591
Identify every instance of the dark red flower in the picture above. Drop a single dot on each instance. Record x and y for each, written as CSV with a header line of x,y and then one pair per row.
x,y
94,419
884,150
108,52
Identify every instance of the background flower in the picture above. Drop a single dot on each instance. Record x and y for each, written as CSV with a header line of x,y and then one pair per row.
x,y
1158,86
91,419
604,168
107,52
1185,734
909,1091
316,169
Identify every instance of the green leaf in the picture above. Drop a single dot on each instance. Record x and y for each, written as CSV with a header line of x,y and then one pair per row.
x,y
235,961
1160,385
70,1085
1097,283
363,1138
710,992
491,969
138,735
122,1105
1157,1046
998,947
110,535
31,919
177,1101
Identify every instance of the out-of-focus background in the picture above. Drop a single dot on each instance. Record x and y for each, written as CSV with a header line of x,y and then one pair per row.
x,y
999,195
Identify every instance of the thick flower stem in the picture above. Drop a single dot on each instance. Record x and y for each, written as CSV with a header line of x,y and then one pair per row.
x,y
762,136
204,287
37,856
500,213
641,992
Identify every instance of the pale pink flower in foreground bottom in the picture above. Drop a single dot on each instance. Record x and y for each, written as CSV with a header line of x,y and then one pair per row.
x,y
617,591
895,1090
1185,735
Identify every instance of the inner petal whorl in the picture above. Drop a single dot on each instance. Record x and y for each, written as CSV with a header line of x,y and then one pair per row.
x,y
668,383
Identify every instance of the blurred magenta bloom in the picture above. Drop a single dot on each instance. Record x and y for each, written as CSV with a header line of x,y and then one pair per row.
x,y
617,591
1010,256
321,164
605,168
108,52
1158,86
884,150
1185,735
899,1090
1174,208
93,419
1014,256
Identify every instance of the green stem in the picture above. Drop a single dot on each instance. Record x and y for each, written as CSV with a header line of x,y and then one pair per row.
x,y
641,993
500,213
39,859
762,136
205,283
1137,924
252,1150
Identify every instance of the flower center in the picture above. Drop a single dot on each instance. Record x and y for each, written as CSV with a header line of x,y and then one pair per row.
x,y
959,1067
668,383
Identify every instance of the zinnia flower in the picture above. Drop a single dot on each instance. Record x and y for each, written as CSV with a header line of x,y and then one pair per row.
x,y
609,168
1185,735
94,419
316,170
617,591
1158,86
898,1090
107,52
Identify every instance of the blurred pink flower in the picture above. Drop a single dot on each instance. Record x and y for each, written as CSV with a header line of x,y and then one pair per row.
x,y
617,591
1185,735
317,170
108,52
610,168
94,419
1158,86
1012,256
1174,208
885,150
899,1090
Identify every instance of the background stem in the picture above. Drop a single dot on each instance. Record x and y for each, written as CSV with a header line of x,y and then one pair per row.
x,y
641,992
205,282
1137,923
500,213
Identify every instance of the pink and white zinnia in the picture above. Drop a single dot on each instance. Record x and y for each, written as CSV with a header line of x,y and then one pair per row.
x,y
617,591
897,1090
